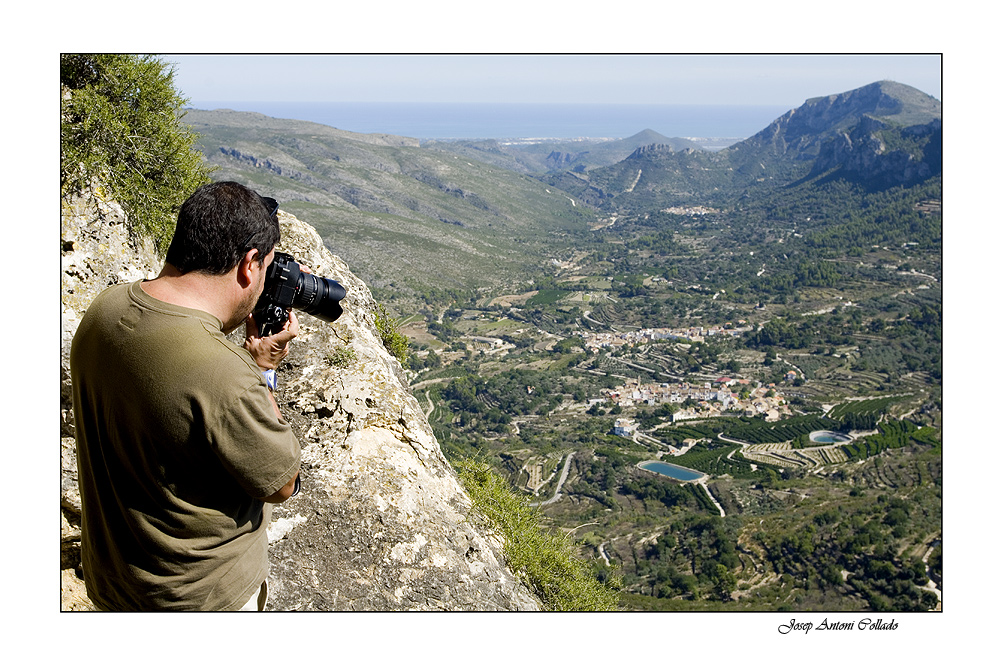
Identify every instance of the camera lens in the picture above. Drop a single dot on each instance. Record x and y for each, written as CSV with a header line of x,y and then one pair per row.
x,y
319,296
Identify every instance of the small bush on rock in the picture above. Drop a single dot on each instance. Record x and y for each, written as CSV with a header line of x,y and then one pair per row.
x,y
121,127
394,341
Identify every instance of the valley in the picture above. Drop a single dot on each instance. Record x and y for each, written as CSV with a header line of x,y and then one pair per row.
x,y
569,321
541,381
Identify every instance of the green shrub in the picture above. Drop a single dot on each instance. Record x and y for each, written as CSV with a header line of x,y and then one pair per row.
x,y
121,128
545,562
394,341
342,357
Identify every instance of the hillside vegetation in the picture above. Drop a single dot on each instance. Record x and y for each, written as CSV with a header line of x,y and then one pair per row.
x,y
407,218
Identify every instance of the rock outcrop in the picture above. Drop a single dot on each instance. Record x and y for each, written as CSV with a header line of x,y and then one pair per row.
x,y
862,154
558,160
382,522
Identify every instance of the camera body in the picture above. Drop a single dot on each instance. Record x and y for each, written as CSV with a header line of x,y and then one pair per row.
x,y
287,287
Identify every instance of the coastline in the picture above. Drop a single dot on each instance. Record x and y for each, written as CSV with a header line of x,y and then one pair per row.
x,y
519,121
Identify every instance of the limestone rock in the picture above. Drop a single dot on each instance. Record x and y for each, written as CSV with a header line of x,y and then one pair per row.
x,y
381,523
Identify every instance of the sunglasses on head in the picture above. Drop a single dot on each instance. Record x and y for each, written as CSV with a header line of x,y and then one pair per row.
x,y
270,204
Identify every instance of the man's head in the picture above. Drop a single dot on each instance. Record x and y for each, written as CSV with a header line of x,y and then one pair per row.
x,y
218,225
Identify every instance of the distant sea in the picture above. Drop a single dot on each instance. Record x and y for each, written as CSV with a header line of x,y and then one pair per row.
x,y
500,121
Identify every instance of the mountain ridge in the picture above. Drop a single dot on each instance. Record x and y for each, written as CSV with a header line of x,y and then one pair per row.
x,y
397,212
558,154
414,217
799,132
783,153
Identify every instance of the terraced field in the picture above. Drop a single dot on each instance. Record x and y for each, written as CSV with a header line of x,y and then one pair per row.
x,y
783,455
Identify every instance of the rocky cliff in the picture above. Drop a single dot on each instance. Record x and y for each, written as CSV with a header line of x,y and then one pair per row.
x,y
381,522
864,154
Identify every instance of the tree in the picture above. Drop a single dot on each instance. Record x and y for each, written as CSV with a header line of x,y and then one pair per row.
x,y
725,582
121,129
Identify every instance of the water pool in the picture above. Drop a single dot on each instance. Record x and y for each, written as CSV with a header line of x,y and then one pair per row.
x,y
671,471
827,437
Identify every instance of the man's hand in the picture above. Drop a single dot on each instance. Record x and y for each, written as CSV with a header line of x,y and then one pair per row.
x,y
268,352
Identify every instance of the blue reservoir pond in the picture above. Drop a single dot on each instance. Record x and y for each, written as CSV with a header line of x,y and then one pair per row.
x,y
827,437
670,470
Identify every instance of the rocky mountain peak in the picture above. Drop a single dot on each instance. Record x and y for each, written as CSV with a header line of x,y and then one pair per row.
x,y
650,150
799,133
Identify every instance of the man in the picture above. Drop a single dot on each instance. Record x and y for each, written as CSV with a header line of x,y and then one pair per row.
x,y
181,447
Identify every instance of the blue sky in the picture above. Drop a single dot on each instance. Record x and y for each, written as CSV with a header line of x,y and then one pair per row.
x,y
782,80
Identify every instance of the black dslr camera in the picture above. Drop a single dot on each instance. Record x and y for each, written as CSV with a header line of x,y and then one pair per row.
x,y
286,287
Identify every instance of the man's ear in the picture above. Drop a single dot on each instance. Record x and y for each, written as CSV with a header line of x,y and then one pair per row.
x,y
248,264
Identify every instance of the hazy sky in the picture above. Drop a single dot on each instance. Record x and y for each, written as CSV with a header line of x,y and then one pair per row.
x,y
783,80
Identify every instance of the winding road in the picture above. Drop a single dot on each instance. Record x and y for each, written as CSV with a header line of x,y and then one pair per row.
x,y
562,479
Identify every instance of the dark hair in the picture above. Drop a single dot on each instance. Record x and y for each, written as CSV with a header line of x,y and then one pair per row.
x,y
218,224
